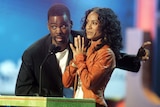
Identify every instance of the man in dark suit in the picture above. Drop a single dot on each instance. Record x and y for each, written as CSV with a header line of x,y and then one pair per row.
x,y
42,67
29,80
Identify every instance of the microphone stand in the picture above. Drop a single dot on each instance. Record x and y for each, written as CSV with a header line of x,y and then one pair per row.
x,y
52,49
40,75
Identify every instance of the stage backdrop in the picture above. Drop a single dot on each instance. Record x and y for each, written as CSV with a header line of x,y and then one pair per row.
x,y
22,22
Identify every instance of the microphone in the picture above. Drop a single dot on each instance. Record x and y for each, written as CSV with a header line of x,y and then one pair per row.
x,y
52,50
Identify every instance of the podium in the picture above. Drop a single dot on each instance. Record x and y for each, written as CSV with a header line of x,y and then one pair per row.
x,y
28,101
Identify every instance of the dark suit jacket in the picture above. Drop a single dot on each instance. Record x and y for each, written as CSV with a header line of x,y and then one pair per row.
x,y
28,77
128,62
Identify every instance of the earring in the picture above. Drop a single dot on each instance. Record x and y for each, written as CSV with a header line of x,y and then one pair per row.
x,y
105,38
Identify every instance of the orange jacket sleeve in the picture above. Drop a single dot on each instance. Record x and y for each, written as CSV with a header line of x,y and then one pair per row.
x,y
96,68
69,75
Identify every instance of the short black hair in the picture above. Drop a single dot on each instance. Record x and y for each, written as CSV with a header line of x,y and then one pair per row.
x,y
58,10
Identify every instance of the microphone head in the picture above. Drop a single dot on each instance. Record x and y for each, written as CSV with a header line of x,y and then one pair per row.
x,y
53,48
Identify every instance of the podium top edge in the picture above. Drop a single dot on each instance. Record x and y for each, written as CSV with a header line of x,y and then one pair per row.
x,y
44,98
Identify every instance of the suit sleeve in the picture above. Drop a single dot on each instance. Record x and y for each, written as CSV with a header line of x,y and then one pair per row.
x,y
27,80
128,62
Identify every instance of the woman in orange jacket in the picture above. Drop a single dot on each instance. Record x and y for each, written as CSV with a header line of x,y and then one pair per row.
x,y
93,64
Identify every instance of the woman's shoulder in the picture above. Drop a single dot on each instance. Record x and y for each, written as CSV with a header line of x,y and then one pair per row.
x,y
106,50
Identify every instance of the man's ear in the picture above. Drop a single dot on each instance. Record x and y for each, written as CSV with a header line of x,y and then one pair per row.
x,y
71,23
48,26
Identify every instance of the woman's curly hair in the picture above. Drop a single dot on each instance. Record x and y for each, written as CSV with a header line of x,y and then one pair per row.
x,y
110,28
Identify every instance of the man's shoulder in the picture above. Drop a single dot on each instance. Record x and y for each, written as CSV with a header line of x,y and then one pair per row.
x,y
40,43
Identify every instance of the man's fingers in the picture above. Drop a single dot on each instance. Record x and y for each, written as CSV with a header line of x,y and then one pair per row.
x,y
145,58
147,55
145,44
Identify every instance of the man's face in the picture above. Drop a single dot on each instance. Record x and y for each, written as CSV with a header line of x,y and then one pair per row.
x,y
60,28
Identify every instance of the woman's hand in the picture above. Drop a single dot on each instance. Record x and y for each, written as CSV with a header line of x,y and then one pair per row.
x,y
78,47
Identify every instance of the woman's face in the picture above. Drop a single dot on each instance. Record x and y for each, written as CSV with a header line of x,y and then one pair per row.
x,y
93,31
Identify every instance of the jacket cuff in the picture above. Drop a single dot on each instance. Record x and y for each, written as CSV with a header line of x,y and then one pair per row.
x,y
80,62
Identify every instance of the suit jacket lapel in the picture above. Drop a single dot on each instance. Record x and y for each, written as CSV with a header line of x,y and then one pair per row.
x,y
70,56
